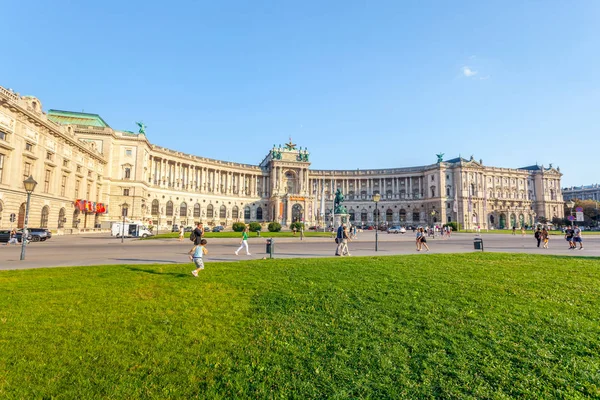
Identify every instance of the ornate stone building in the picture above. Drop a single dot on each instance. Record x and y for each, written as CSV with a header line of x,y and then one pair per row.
x,y
587,192
90,174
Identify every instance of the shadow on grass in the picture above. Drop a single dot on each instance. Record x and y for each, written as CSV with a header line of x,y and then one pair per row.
x,y
153,272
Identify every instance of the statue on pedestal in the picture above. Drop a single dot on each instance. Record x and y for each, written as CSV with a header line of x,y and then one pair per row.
x,y
338,208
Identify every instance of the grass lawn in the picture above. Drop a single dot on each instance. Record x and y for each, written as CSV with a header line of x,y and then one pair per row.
x,y
458,326
238,235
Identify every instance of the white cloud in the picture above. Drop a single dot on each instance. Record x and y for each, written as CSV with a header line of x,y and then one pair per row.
x,y
468,72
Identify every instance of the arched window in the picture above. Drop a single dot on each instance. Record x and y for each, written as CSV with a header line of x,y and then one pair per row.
x,y
223,212
290,185
416,216
155,206
183,210
209,211
433,191
44,220
75,218
235,212
196,210
402,215
364,215
297,213
389,215
259,215
247,213
169,208
61,218
351,212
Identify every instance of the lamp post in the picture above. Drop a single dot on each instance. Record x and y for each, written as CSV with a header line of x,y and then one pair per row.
x,y
433,222
376,198
571,205
29,184
124,208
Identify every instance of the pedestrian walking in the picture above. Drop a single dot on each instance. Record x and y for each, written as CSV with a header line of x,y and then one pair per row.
x,y
338,240
514,230
538,236
577,237
345,239
196,254
13,238
197,233
422,241
523,231
569,232
244,242
545,237
181,233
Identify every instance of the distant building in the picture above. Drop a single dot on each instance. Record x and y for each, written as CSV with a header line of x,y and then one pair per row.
x,y
589,192
89,173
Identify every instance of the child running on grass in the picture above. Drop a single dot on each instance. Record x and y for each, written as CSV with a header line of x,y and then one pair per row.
x,y
196,254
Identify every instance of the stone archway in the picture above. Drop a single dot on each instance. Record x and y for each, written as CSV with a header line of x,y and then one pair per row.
x,y
296,213
21,219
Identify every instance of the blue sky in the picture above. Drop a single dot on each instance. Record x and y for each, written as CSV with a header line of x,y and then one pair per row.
x,y
362,84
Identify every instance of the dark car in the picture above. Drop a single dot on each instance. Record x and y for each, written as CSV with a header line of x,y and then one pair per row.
x,y
188,229
39,234
175,228
5,236
218,228
206,228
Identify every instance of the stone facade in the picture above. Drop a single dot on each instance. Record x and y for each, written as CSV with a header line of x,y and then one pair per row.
x,y
76,156
588,192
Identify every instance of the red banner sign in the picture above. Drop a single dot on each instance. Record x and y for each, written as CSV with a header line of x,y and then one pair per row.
x,y
90,206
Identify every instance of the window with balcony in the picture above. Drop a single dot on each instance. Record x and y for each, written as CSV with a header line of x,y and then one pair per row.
x,y
127,173
26,170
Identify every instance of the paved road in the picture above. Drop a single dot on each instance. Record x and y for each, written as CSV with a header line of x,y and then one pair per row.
x,y
95,249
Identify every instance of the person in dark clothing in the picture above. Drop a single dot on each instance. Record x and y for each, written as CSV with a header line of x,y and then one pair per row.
x,y
338,240
198,232
538,236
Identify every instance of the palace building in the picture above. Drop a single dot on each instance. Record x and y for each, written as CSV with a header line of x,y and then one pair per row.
x,y
90,174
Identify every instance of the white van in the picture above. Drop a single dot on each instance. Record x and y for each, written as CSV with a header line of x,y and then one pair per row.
x,y
129,230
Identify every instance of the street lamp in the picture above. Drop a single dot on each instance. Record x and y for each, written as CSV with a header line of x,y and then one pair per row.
x,y
124,208
376,198
432,222
29,184
571,205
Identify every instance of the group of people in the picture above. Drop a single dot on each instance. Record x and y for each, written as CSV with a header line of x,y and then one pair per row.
x,y
199,249
342,238
572,236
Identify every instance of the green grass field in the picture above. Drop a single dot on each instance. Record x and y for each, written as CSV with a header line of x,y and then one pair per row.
x,y
458,326
251,235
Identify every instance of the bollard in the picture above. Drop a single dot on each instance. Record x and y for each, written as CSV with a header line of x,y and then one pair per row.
x,y
270,247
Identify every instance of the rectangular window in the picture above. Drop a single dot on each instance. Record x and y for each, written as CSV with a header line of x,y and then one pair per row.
x,y
63,185
79,168
47,181
97,193
1,166
89,174
128,152
125,192
65,163
3,135
26,170
28,146
77,189
88,191
127,173
49,156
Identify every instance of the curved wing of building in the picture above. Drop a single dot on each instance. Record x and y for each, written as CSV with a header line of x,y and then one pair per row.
x,y
90,174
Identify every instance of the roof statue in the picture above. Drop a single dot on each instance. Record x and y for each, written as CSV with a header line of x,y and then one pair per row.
x,y
338,208
142,127
440,157
290,145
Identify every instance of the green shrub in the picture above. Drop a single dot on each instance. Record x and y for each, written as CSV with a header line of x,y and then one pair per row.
x,y
453,225
274,227
255,226
238,226
297,225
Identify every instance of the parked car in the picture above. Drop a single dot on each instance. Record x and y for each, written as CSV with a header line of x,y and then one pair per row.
x,y
39,234
207,228
5,236
218,228
393,229
175,228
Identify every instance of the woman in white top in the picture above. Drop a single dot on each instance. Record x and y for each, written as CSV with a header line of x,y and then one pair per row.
x,y
181,232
